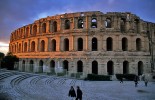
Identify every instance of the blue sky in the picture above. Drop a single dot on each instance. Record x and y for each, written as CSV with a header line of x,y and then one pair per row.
x,y
17,13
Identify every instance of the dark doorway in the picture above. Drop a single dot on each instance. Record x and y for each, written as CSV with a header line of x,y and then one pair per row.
x,y
80,66
65,65
125,67
140,68
94,67
94,44
80,44
110,68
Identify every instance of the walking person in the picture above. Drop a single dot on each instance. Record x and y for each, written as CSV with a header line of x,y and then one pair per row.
x,y
136,81
121,80
79,93
146,81
72,93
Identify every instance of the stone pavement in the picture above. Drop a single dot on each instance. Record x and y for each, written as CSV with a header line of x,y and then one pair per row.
x,y
26,86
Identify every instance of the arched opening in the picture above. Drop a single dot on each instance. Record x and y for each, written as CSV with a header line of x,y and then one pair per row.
x,y
136,25
80,44
80,23
94,67
125,67
109,44
140,68
94,23
123,25
108,23
138,44
34,30
19,48
31,66
54,26
42,47
44,28
65,65
124,44
27,31
23,65
25,47
79,66
32,46
94,44
53,45
52,66
110,68
67,24
66,44
41,66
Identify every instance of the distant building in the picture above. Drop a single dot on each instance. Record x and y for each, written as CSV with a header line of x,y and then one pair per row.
x,y
86,42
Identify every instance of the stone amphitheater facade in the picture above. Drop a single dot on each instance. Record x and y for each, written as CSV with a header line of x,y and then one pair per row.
x,y
86,43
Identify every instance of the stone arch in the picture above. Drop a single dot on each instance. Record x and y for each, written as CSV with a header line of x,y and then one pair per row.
x,y
42,46
138,44
80,44
80,23
109,43
140,68
79,66
125,67
31,66
94,67
54,26
93,23
136,25
110,67
67,24
44,28
124,44
32,46
41,63
23,65
27,31
53,45
34,30
65,65
20,48
52,66
123,25
108,23
66,44
25,47
94,44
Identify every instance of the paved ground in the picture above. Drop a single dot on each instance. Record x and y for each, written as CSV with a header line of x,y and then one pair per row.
x,y
25,86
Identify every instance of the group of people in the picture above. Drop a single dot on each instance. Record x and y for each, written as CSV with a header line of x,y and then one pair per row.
x,y
143,78
77,95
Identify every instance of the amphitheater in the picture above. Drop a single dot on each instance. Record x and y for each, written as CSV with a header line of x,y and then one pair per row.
x,y
86,43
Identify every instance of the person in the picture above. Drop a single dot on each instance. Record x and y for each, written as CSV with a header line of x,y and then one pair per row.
x,y
79,93
72,93
121,80
136,81
146,81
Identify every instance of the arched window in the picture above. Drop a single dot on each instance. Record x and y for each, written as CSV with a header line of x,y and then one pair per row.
x,y
124,44
25,47
34,30
32,46
80,44
23,65
108,23
138,44
123,25
109,44
44,28
66,44
94,23
136,25
140,68
94,44
27,31
53,45
110,68
94,67
41,63
42,47
31,66
125,67
54,26
52,66
79,66
80,23
67,24
65,65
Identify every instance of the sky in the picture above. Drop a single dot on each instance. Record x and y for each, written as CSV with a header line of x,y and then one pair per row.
x,y
17,13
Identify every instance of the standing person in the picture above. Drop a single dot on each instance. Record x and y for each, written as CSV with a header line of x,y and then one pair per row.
x,y
121,80
136,81
72,93
146,81
79,93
